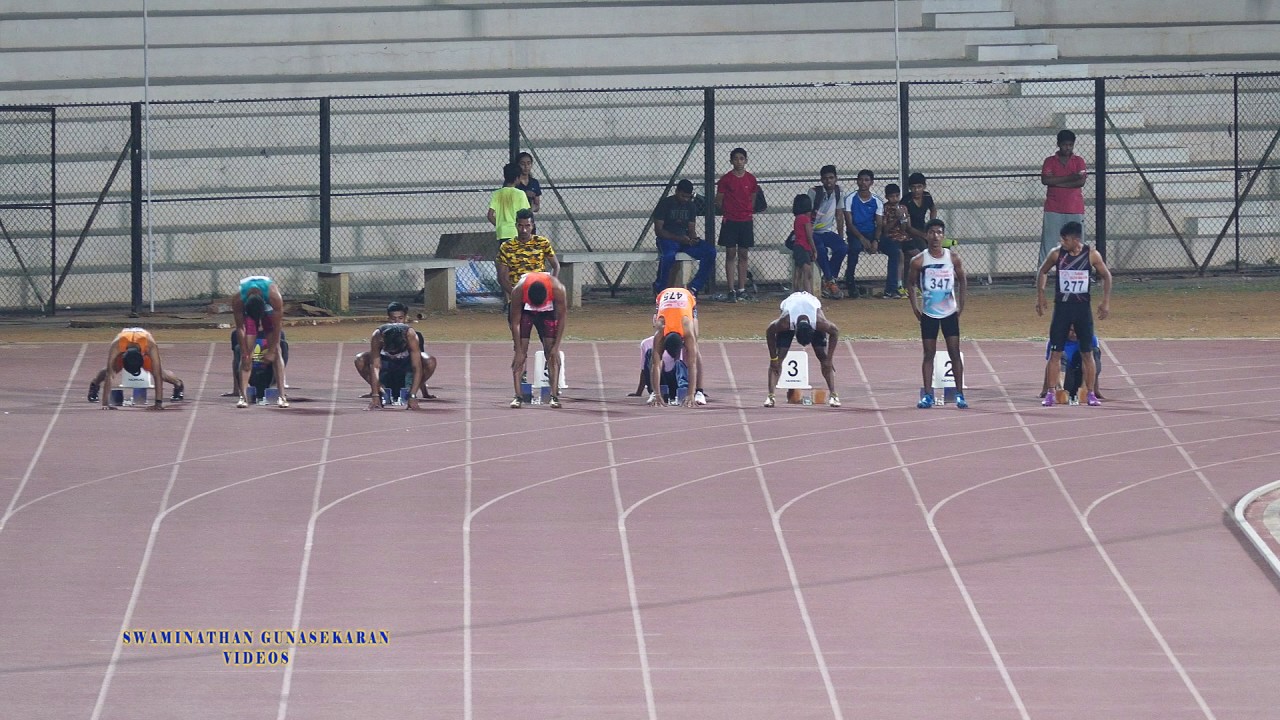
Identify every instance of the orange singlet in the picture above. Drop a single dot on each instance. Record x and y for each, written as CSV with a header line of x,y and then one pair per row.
x,y
674,305
134,336
528,281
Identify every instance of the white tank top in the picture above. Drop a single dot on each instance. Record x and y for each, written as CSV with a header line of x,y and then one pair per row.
x,y
938,285
801,303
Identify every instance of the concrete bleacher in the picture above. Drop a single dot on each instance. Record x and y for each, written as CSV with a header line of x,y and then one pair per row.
x,y
61,51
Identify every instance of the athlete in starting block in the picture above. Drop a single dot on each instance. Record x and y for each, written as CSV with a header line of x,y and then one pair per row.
x,y
133,351
538,300
675,331
259,311
394,352
398,312
802,319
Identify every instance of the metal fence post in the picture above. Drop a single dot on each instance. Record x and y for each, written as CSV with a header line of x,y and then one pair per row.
x,y
904,132
513,126
709,160
1100,165
53,211
135,207
1235,166
326,197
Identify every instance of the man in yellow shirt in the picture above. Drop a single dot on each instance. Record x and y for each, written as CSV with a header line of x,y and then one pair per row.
x,y
525,253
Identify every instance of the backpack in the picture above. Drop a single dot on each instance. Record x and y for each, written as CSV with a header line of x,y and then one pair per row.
x,y
760,204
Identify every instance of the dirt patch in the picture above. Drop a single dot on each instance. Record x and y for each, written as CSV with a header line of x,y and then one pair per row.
x,y
1203,307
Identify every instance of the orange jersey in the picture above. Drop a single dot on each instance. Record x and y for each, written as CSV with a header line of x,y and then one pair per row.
x,y
674,305
134,336
527,281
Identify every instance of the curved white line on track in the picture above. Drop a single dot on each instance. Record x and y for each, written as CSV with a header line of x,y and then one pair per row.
x,y
152,536
286,683
633,595
1137,604
44,440
996,657
793,577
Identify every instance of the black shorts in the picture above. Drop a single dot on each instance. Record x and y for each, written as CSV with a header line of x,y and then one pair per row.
x,y
544,322
737,233
1067,315
800,256
786,336
949,325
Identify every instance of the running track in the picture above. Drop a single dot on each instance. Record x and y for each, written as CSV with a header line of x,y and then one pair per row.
x,y
609,560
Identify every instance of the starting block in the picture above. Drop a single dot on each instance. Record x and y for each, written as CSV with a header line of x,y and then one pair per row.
x,y
271,395
944,378
541,378
137,385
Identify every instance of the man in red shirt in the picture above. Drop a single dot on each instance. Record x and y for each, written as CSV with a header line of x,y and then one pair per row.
x,y
1063,174
736,197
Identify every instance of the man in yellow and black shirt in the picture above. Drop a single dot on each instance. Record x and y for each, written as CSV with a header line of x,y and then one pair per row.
x,y
523,254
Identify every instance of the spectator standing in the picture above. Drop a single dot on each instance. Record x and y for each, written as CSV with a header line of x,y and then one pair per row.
x,y
527,183
897,221
505,202
828,229
675,223
736,198
921,207
1063,174
864,218
802,249
523,254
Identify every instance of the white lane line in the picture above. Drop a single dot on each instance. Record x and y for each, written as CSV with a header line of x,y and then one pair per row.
x,y
151,543
286,684
939,543
1097,544
468,687
792,576
1115,363
44,439
633,595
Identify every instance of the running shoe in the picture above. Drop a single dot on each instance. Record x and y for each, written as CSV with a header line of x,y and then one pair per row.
x,y
95,392
834,400
282,401
768,401
961,403
699,398
555,402
516,402
1073,401
1048,399
926,402
242,402
1093,400
179,392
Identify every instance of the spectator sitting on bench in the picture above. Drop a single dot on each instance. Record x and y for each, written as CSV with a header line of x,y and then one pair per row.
x,y
675,221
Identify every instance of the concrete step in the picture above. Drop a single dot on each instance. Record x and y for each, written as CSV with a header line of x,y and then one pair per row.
x,y
1211,226
1191,189
1011,53
1121,119
956,21
1012,36
934,7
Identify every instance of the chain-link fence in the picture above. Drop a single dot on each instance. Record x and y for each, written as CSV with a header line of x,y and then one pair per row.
x,y
240,187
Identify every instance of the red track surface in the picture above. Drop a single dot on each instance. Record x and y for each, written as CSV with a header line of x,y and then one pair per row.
x,y
609,560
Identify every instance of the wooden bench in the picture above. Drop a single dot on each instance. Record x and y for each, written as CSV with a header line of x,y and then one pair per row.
x,y
439,280
572,275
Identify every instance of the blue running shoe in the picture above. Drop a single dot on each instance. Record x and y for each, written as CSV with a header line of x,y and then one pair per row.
x,y
961,403
926,401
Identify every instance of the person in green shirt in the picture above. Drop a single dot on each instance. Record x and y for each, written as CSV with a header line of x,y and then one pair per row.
x,y
505,202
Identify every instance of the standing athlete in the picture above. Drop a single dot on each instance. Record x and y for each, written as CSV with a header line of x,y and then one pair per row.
x,y
938,276
1074,261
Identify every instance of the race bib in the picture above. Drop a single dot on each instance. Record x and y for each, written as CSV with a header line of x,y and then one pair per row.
x,y
673,299
1073,282
939,280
